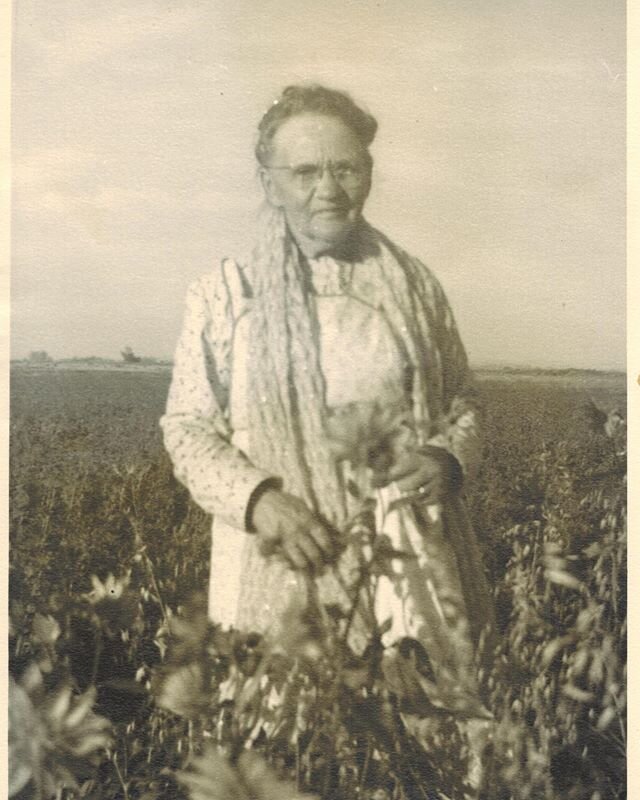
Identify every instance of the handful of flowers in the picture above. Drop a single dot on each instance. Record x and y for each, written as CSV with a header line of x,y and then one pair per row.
x,y
370,436
382,444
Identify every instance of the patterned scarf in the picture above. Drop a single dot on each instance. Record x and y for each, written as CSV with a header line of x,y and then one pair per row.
x,y
287,412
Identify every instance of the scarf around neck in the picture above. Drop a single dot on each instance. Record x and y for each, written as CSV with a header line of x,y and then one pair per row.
x,y
287,413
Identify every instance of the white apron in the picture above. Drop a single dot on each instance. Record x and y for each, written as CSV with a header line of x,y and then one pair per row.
x,y
360,362
424,597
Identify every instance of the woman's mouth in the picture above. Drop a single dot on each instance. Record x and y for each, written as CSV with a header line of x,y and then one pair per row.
x,y
332,212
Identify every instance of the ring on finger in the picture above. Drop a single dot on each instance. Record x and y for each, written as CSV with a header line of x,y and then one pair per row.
x,y
422,494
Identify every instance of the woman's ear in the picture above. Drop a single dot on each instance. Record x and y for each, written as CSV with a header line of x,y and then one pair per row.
x,y
269,188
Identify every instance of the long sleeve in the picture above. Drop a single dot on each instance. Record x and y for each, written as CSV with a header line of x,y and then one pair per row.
x,y
459,426
196,429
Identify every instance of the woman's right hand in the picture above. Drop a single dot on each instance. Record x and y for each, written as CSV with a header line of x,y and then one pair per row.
x,y
285,525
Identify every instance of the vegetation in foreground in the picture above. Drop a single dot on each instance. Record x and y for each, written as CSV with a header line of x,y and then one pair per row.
x,y
121,688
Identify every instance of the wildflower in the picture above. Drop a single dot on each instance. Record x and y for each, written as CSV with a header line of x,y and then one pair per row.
x,y
21,740
611,422
367,435
615,424
45,629
113,601
184,690
51,734
190,632
212,777
112,589
302,633
248,651
198,655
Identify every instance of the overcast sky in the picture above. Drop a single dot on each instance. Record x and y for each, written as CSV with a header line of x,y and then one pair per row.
x,y
499,161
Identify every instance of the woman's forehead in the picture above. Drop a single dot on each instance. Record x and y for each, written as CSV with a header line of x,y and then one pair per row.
x,y
308,137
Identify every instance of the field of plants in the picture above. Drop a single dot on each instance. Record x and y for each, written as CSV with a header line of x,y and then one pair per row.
x,y
121,688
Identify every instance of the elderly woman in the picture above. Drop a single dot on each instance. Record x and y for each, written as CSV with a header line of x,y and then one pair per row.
x,y
327,324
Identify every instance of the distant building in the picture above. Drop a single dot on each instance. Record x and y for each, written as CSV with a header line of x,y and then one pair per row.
x,y
129,357
40,358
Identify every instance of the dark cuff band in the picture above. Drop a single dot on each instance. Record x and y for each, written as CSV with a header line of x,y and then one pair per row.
x,y
261,488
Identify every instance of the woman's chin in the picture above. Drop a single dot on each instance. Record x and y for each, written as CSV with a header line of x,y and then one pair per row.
x,y
331,231
325,235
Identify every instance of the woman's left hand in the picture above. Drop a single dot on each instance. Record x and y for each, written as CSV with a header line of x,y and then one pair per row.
x,y
431,471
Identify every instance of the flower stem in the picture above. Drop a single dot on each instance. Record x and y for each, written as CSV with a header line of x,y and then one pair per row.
x,y
97,656
125,792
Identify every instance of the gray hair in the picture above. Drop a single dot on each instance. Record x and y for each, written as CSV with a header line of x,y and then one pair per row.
x,y
313,98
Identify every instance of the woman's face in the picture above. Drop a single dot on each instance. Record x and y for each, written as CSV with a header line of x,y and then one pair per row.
x,y
320,175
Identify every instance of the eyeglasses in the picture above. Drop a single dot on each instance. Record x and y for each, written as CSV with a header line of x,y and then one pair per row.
x,y
307,176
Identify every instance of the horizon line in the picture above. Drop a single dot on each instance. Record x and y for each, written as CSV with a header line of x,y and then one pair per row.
x,y
484,365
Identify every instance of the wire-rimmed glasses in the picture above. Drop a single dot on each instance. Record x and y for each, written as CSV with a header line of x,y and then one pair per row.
x,y
348,174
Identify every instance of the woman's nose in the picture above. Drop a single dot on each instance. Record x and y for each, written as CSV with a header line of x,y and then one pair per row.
x,y
328,186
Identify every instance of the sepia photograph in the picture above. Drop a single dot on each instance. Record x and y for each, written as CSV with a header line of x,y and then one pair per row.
x,y
318,400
